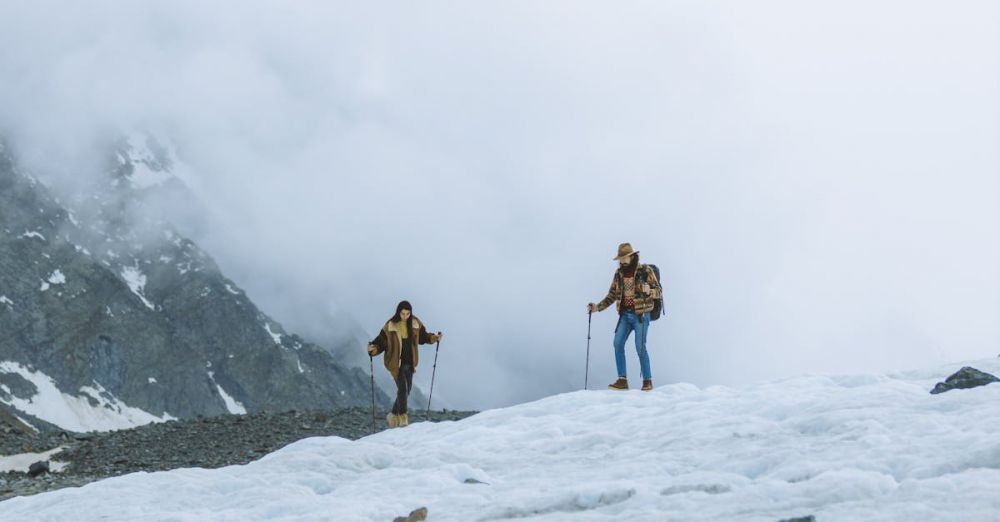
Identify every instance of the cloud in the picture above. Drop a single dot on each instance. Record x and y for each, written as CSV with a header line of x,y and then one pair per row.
x,y
818,184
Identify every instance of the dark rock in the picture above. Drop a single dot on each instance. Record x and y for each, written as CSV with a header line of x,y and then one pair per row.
x,y
417,515
38,468
809,518
711,489
474,481
965,378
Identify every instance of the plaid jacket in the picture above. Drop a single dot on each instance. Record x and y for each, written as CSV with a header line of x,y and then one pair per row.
x,y
643,301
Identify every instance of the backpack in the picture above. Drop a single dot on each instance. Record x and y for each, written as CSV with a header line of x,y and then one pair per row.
x,y
657,303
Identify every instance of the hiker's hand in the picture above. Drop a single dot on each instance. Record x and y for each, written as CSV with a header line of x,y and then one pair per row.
x,y
372,350
591,307
645,288
436,338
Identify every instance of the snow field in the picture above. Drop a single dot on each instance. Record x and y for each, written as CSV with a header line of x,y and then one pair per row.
x,y
873,448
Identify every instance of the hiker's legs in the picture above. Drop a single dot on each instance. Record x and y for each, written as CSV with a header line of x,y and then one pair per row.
x,y
404,381
641,331
621,335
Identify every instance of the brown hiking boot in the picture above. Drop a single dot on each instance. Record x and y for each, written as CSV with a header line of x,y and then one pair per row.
x,y
620,384
647,384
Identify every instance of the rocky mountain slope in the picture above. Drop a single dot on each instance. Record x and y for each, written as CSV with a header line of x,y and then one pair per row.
x,y
109,318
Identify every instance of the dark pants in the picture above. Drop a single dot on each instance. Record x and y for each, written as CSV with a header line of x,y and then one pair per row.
x,y
404,381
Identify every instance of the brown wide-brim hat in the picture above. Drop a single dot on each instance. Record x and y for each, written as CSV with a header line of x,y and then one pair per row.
x,y
625,250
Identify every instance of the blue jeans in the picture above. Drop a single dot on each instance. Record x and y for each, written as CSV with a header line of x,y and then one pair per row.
x,y
629,322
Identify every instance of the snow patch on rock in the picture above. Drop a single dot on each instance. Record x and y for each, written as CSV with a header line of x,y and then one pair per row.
x,y
275,336
57,278
75,413
232,405
23,461
136,282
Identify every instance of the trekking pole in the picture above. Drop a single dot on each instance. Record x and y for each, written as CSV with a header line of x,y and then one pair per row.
x,y
586,373
433,372
371,364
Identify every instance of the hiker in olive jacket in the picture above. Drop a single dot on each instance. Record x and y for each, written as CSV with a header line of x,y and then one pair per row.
x,y
635,288
398,340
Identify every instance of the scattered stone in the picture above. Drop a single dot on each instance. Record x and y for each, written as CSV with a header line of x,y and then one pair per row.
x,y
474,481
711,489
417,515
809,518
38,468
965,378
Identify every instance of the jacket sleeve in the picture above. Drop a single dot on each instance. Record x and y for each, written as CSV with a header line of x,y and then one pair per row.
x,y
655,288
425,335
382,342
612,294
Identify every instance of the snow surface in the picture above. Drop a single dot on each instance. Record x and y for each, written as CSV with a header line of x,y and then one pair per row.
x,y
841,448
31,233
232,290
136,282
75,413
5,300
22,462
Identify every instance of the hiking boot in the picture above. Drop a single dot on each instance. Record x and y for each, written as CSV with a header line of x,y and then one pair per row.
x,y
620,384
392,420
404,420
647,384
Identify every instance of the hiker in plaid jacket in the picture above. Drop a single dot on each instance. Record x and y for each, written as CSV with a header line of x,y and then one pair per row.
x,y
634,288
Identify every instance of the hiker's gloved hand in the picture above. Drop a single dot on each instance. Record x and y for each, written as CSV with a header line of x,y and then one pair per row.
x,y
372,350
645,288
436,338
592,307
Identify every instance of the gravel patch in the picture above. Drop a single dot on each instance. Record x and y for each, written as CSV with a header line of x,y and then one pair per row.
x,y
208,442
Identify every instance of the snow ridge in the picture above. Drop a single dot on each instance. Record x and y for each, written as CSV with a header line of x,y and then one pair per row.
x,y
870,447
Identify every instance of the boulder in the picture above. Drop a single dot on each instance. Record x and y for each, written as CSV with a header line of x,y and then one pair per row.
x,y
417,515
38,468
965,378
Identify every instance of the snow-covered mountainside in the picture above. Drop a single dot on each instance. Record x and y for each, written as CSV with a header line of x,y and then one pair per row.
x,y
839,448
109,318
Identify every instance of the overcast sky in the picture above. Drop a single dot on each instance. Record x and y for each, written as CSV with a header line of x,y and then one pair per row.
x,y
819,183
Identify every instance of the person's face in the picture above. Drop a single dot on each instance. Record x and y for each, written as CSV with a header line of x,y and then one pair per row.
x,y
404,314
623,262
